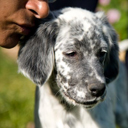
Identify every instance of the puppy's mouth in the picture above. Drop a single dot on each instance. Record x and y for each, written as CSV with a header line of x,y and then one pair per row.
x,y
85,103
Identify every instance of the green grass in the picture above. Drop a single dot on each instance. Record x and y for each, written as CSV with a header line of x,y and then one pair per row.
x,y
121,26
16,96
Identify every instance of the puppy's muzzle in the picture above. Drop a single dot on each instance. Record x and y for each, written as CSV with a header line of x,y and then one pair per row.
x,y
96,89
87,94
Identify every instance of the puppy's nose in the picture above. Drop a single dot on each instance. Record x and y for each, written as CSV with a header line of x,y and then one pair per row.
x,y
96,89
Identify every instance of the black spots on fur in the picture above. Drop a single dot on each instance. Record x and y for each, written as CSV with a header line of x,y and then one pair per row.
x,y
73,80
91,40
68,61
63,79
76,29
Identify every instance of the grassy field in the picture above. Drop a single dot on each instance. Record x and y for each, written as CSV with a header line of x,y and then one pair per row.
x,y
16,96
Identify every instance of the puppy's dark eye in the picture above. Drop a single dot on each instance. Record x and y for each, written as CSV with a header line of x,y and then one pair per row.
x,y
70,54
103,53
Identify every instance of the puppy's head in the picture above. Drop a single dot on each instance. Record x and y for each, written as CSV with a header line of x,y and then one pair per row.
x,y
83,49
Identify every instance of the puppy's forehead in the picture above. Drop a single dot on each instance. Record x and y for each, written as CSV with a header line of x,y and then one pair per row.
x,y
75,13
79,28
85,26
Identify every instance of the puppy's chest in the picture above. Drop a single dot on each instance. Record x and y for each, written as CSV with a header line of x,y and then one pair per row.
x,y
52,114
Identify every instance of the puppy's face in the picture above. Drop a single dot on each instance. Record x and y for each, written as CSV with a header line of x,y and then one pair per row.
x,y
80,54
86,55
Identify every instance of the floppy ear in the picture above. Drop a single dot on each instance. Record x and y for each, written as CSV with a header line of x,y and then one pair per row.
x,y
36,54
112,60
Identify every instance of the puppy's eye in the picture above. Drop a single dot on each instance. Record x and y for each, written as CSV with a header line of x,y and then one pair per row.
x,y
70,54
103,53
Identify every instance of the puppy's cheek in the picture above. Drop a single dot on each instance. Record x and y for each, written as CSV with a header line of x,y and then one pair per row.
x,y
62,81
59,81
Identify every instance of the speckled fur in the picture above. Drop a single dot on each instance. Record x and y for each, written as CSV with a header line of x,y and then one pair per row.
x,y
71,52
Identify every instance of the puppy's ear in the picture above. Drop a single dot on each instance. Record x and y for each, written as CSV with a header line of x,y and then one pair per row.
x,y
36,54
112,60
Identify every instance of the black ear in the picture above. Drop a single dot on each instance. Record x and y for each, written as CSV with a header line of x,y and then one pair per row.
x,y
112,60
112,64
36,54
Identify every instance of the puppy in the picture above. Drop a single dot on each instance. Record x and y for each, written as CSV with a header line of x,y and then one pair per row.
x,y
72,57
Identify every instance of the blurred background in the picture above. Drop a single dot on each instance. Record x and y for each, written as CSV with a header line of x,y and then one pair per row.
x,y
17,92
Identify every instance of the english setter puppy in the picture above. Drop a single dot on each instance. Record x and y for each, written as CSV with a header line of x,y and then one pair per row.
x,y
71,58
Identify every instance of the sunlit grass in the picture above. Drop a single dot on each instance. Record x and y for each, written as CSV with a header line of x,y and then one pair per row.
x,y
16,96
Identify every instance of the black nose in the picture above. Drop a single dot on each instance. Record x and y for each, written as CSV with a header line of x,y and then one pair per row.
x,y
96,89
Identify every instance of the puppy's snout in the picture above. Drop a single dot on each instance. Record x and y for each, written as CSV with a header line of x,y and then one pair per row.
x,y
96,89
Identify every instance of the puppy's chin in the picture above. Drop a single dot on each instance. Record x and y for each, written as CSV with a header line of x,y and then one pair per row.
x,y
88,104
